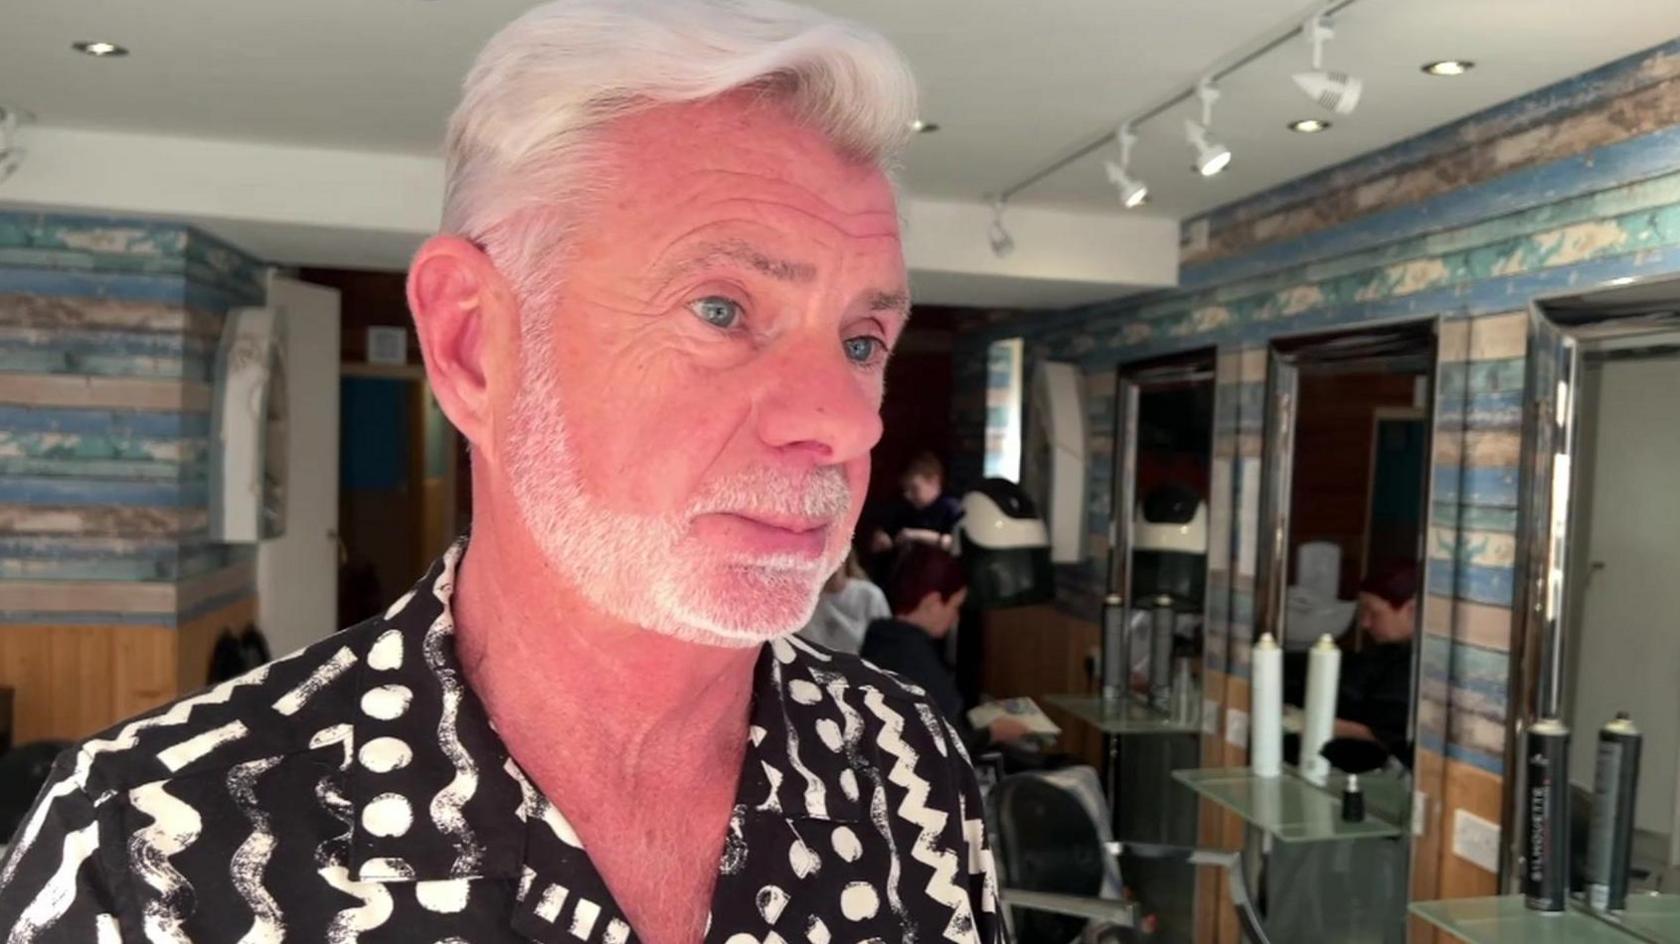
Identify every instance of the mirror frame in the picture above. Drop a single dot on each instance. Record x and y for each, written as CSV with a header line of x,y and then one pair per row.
x,y
1549,451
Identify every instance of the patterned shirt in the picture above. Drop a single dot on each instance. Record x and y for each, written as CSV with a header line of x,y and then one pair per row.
x,y
356,791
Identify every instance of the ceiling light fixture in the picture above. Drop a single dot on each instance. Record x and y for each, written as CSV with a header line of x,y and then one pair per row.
x,y
1002,243
1133,192
923,127
99,49
1309,125
1335,92
1211,156
1449,67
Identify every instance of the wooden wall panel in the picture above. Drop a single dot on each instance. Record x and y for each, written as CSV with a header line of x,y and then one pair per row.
x,y
1034,651
70,682
1478,792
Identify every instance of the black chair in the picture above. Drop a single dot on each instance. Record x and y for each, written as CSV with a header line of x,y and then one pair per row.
x,y
1059,866
1052,837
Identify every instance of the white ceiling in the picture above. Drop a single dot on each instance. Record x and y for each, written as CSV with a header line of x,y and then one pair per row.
x,y
1013,83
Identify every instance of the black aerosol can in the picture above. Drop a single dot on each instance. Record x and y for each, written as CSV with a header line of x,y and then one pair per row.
x,y
1546,851
1610,835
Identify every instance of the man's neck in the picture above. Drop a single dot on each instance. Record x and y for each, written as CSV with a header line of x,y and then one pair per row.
x,y
560,678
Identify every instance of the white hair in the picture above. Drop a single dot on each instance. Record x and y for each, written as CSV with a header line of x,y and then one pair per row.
x,y
548,83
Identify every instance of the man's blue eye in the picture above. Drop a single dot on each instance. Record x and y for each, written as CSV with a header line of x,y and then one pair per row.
x,y
717,311
862,350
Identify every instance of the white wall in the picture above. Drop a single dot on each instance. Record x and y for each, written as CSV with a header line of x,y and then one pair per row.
x,y
297,574
1625,637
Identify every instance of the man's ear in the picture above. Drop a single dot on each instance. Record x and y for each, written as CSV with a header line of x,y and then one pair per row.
x,y
462,309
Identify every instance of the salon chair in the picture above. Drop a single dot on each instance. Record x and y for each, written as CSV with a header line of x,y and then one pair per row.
x,y
1059,866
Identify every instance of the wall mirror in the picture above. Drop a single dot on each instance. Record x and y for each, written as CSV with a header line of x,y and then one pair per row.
x,y
1344,511
1158,569
1598,602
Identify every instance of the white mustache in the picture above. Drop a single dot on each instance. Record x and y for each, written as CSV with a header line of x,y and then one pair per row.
x,y
821,495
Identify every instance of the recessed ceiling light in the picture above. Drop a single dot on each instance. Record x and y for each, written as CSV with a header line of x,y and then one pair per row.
x,y
1449,67
99,49
1309,125
923,127
1624,280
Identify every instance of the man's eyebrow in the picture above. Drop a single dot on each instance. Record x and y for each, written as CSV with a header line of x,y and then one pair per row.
x,y
743,253
890,301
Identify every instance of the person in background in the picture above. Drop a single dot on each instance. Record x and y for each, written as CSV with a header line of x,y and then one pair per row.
x,y
927,515
1375,698
926,593
848,604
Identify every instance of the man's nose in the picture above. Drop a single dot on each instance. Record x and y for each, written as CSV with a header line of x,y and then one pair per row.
x,y
812,399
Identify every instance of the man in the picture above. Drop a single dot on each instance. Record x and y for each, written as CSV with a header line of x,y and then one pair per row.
x,y
670,275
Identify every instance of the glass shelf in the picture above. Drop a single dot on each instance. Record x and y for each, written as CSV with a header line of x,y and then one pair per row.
x,y
1506,920
1287,807
1125,717
1656,917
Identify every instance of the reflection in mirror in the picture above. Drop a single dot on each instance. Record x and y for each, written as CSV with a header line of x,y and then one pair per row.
x,y
1165,413
1169,540
1346,503
1620,652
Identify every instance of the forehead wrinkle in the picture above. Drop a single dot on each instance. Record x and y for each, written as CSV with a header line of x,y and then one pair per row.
x,y
761,189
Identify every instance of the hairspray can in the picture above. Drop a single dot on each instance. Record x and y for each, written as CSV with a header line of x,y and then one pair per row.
x,y
1163,620
1546,873
1610,835
1116,654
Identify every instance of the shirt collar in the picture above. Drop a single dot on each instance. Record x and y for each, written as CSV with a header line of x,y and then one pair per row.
x,y
459,777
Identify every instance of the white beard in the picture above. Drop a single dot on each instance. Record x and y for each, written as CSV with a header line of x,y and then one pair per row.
x,y
649,570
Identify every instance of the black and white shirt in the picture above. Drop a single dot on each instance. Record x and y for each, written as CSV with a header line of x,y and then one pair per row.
x,y
356,791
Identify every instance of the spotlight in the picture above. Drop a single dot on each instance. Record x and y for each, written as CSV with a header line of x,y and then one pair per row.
x,y
1309,126
1211,156
1002,243
1133,192
1335,92
923,127
99,49
1447,67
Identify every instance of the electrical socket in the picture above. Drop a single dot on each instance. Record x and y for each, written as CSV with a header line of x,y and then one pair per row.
x,y
1476,840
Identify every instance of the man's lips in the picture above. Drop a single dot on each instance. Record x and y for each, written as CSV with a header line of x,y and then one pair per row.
x,y
759,533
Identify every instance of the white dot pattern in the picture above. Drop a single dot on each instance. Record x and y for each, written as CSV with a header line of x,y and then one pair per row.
x,y
385,754
387,815
387,702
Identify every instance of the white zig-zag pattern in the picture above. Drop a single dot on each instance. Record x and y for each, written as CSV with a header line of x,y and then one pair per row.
x,y
175,826
125,739
942,886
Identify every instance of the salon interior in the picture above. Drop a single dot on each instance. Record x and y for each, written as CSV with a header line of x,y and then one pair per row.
x,y
1307,374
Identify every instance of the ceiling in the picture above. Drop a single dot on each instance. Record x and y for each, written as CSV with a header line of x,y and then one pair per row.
x,y
1013,84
